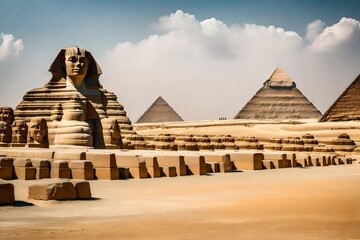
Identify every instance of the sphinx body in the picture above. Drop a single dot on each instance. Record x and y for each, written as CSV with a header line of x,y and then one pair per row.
x,y
74,72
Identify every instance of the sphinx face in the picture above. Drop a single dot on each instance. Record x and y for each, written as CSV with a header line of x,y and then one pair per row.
x,y
19,132
7,115
38,130
76,66
5,132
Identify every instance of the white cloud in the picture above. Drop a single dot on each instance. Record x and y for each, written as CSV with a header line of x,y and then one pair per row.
x,y
313,29
342,34
207,69
10,46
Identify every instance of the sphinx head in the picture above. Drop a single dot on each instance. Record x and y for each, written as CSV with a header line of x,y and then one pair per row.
x,y
5,132
37,130
19,131
6,115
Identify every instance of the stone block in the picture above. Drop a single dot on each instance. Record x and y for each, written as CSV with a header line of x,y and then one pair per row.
x,y
124,173
102,160
213,167
6,162
173,161
25,153
81,169
7,195
69,155
195,165
280,163
223,160
24,169
52,191
168,171
82,188
136,167
42,167
247,161
152,166
6,173
60,169
107,173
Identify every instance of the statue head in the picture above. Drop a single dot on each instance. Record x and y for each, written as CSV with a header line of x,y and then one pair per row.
x,y
5,132
37,131
6,115
19,131
78,65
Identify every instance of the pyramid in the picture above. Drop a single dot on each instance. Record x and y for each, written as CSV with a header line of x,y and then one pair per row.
x,y
278,99
159,111
347,106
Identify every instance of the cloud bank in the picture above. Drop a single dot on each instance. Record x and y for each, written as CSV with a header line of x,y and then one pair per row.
x,y
207,69
9,46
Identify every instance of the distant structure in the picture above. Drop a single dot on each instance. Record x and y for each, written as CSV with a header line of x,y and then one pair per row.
x,y
347,106
159,111
278,99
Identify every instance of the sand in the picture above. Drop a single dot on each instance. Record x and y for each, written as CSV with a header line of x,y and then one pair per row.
x,y
307,203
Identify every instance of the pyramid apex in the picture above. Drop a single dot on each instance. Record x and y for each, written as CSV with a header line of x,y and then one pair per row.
x,y
279,78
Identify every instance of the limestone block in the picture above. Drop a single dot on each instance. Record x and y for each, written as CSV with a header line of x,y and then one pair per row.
x,y
302,160
81,169
107,173
213,167
223,160
24,153
124,173
195,165
247,161
137,169
280,163
168,171
69,155
60,169
24,169
173,161
52,191
7,196
102,160
42,167
314,161
152,166
6,168
82,188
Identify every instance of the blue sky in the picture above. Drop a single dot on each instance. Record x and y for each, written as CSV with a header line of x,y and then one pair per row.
x,y
106,28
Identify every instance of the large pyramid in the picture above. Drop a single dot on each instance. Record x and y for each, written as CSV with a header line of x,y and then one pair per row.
x,y
347,106
159,111
278,99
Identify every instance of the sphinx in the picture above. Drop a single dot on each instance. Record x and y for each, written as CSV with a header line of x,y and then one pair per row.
x,y
19,133
6,120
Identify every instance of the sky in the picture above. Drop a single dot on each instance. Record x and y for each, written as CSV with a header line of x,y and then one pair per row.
x,y
206,58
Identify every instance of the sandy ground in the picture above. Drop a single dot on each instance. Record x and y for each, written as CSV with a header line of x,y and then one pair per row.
x,y
308,203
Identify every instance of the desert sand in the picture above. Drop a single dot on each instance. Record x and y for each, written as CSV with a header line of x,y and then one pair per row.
x,y
292,203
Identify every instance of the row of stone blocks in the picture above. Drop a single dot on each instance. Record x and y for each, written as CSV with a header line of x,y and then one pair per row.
x,y
114,166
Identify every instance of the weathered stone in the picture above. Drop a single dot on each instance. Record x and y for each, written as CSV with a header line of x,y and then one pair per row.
x,y
247,161
224,162
173,161
60,169
195,165
24,169
6,168
81,169
82,188
52,191
7,196
136,168
152,166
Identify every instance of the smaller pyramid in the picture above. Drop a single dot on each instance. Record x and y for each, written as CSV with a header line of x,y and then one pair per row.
x,y
159,111
280,99
347,106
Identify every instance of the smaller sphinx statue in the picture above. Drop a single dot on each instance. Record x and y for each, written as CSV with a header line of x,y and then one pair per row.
x,y
112,133
73,129
38,133
5,134
6,119
19,133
